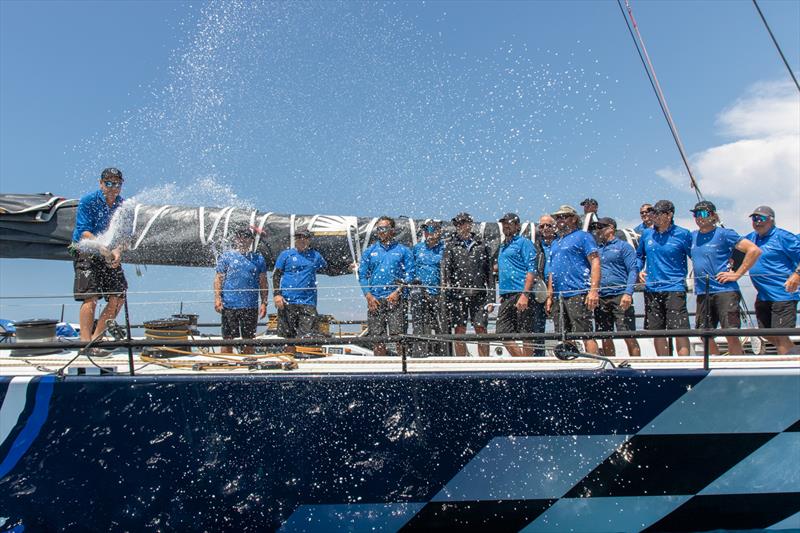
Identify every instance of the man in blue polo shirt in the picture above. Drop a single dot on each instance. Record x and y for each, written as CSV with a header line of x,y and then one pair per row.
x,y
646,214
516,266
382,265
776,276
618,277
426,305
662,261
294,286
574,281
241,277
98,270
715,284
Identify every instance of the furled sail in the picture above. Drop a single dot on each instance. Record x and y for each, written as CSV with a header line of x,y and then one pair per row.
x,y
39,226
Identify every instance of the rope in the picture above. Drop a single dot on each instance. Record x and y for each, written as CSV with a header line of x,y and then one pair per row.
x,y
777,46
651,75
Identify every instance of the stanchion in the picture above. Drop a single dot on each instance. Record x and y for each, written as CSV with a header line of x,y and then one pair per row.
x,y
706,329
128,332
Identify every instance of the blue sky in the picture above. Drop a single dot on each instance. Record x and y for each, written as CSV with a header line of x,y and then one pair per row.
x,y
420,109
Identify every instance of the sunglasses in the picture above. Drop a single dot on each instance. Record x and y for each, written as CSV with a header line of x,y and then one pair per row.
x,y
759,218
383,229
113,184
430,229
547,225
702,213
645,211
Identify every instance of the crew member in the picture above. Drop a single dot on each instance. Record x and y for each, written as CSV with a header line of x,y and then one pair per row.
x,y
294,284
776,276
646,213
516,266
382,265
574,279
590,215
241,277
617,280
468,280
425,299
98,265
545,236
715,284
662,261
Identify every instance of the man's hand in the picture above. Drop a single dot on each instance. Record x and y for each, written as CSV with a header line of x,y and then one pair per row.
x,y
394,297
625,302
727,277
489,309
279,301
115,258
522,302
372,302
792,283
218,304
548,304
262,310
592,299
642,276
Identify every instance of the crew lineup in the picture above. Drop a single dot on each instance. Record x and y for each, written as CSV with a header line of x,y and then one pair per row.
x,y
576,272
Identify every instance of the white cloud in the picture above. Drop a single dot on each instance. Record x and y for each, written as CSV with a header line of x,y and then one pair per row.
x,y
760,166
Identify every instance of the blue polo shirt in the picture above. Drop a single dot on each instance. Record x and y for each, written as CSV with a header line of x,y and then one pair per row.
x,y
711,253
93,214
241,271
517,257
299,280
780,255
428,262
382,265
663,257
618,268
569,263
640,228
548,250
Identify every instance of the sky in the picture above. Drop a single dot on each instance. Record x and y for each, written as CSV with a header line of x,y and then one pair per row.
x,y
408,108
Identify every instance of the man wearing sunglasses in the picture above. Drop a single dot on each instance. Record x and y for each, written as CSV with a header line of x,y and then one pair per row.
x,y
98,270
662,262
646,213
294,285
574,277
425,299
545,235
468,280
776,276
715,284
382,265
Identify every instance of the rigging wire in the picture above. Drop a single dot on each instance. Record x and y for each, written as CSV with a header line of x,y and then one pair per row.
x,y
777,46
662,102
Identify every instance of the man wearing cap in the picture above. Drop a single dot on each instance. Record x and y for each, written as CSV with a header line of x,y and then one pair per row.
x,y
574,279
516,268
662,262
425,299
545,235
715,284
382,265
590,207
776,276
241,277
468,280
618,277
646,213
294,285
98,270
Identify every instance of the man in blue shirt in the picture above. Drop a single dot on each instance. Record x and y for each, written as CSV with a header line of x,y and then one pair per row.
x,y
646,213
516,268
545,235
382,265
662,261
425,299
715,284
618,277
776,276
574,277
241,277
294,285
98,270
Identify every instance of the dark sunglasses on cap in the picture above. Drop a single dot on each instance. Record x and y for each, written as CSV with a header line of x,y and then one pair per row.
x,y
759,218
113,184
430,229
702,213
